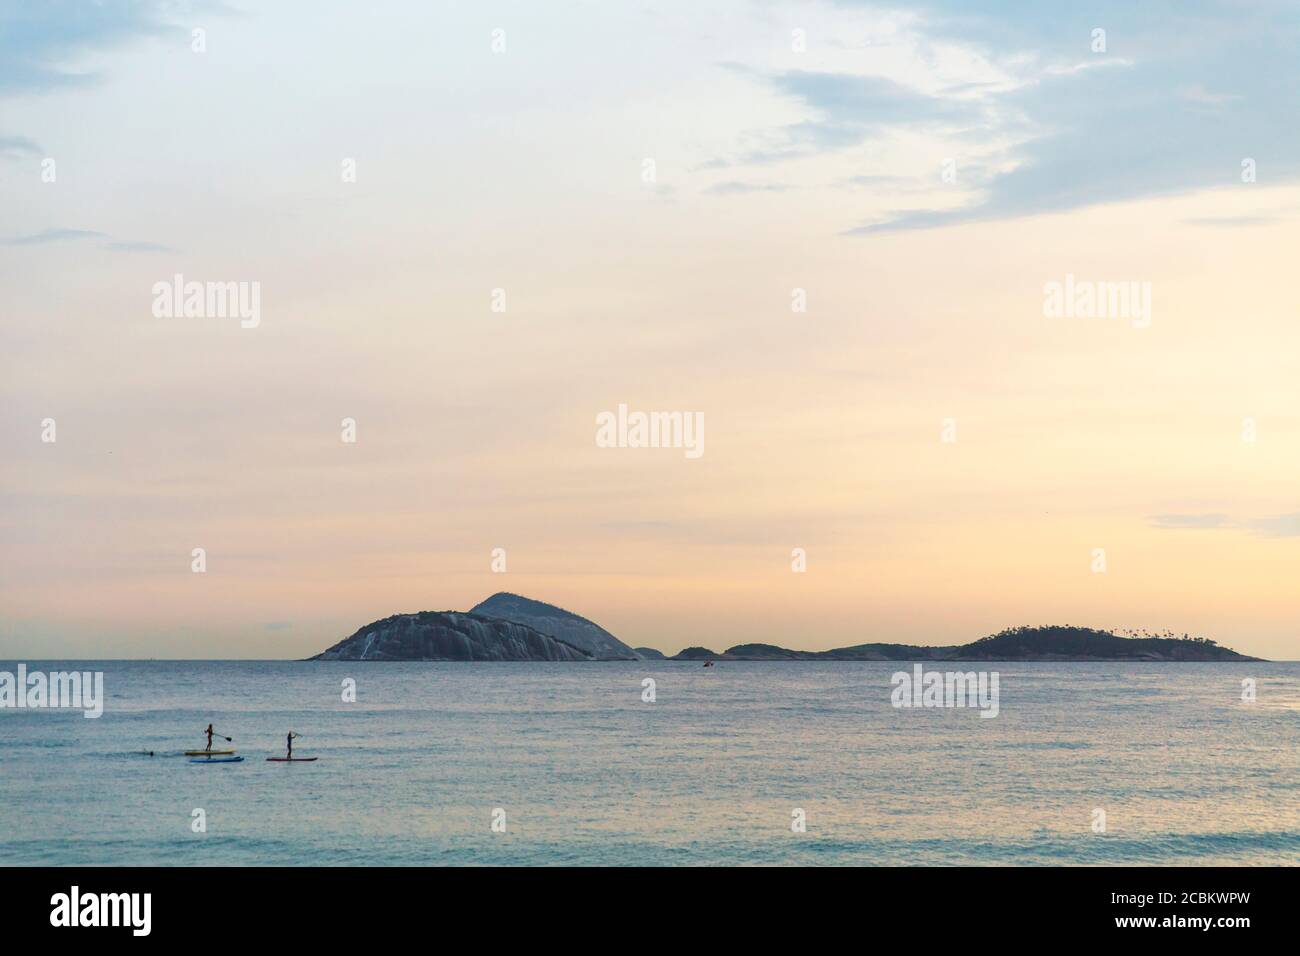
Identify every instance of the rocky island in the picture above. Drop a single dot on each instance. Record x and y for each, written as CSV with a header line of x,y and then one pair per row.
x,y
450,636
1053,643
558,623
505,627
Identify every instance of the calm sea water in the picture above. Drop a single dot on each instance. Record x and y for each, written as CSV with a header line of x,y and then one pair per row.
x,y
710,773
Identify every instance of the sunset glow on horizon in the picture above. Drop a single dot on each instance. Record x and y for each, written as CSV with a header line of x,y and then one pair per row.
x,y
504,266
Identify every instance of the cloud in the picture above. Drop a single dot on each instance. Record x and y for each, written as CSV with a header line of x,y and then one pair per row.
x,y
42,44
17,147
52,235
1071,128
1096,63
872,102
736,188
77,235
1183,522
879,180
1102,140
847,110
1230,221
1273,526
1278,526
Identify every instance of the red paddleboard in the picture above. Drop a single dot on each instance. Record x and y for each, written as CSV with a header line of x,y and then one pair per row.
x,y
292,759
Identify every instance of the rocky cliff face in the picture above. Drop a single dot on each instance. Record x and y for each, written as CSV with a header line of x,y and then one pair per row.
x,y
450,636
558,623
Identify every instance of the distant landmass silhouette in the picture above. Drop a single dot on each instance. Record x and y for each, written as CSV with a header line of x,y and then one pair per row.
x,y
1051,643
509,627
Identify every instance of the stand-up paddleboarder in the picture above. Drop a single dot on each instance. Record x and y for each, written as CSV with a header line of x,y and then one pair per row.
x,y
210,732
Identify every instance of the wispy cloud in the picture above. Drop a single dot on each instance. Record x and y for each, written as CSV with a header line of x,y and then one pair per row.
x,y
1231,221
1193,521
42,44
846,111
1272,526
18,147
1278,526
1078,66
79,235
1073,127
737,188
45,46
52,235
873,180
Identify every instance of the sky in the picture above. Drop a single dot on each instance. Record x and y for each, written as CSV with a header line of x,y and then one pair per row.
x,y
827,229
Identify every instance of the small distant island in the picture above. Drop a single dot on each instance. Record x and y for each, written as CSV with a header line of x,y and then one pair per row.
x,y
508,627
1051,643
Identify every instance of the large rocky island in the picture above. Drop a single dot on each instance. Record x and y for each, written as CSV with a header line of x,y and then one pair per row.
x,y
505,627
450,636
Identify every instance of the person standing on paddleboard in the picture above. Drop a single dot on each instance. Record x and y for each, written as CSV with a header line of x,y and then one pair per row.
x,y
210,732
289,744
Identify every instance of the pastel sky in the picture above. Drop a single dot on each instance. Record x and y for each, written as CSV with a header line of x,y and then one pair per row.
x,y
922,173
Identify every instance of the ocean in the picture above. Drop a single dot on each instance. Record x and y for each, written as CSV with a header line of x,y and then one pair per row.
x,y
578,769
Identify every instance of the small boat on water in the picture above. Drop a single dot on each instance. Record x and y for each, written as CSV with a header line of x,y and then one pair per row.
x,y
216,759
